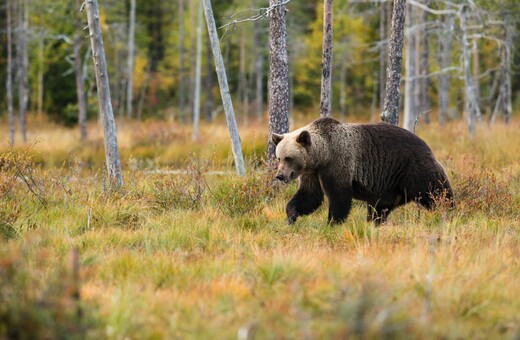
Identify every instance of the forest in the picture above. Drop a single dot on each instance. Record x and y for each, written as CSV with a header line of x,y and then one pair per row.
x,y
138,196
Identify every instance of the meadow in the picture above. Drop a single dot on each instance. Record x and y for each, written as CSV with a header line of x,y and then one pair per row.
x,y
193,251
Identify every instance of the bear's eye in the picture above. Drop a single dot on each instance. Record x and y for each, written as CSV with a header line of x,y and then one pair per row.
x,y
288,159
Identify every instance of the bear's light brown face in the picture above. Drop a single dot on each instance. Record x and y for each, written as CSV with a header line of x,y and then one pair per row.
x,y
292,154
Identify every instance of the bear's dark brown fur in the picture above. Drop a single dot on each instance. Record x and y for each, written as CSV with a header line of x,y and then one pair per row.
x,y
381,164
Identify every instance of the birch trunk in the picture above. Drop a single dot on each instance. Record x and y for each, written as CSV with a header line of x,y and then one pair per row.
x,y
113,162
209,81
236,145
278,85
198,66
9,80
382,53
182,62
409,85
471,106
390,112
80,80
130,66
259,71
445,40
326,60
23,60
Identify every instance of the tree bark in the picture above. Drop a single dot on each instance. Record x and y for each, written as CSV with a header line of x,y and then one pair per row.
x,y
209,81
259,70
410,81
471,106
278,85
445,40
113,161
23,71
9,80
382,53
390,112
182,62
198,66
236,145
326,60
424,68
131,58
80,80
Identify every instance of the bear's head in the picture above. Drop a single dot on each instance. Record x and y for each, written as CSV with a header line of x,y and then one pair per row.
x,y
292,152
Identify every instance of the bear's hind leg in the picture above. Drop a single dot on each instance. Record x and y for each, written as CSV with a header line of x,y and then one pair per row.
x,y
307,199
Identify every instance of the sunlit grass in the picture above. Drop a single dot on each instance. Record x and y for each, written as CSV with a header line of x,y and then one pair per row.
x,y
187,256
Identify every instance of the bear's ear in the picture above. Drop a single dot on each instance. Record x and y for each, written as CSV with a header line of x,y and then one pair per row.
x,y
304,138
276,138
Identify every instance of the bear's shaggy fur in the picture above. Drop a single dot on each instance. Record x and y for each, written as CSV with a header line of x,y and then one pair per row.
x,y
381,164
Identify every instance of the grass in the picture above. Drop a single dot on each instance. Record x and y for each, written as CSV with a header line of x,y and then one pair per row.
x,y
201,255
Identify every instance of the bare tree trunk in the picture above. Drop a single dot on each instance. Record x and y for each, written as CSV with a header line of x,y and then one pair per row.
x,y
259,64
410,81
326,60
236,145
144,88
390,112
182,69
424,97
209,80
192,61
23,71
471,106
80,81
278,85
113,162
198,66
476,69
445,40
9,81
382,53
131,55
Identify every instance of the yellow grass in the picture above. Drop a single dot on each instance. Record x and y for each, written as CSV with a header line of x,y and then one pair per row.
x,y
153,270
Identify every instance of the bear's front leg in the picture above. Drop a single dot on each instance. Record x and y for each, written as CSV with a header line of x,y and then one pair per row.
x,y
307,199
340,202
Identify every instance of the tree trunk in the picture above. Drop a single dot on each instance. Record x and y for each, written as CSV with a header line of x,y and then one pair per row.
x,y
259,70
508,50
445,39
209,81
113,162
41,65
80,80
326,60
131,55
192,60
9,80
382,52
198,66
476,69
278,86
23,60
424,96
144,88
471,106
236,145
182,69
410,81
390,112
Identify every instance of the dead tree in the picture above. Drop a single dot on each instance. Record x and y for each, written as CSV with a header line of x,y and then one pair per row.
x,y
198,66
259,70
390,112
278,85
131,58
326,60
236,145
80,80
445,42
22,50
9,80
410,106
113,161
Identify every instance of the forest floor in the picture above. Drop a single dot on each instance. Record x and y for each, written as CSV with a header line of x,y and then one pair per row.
x,y
193,251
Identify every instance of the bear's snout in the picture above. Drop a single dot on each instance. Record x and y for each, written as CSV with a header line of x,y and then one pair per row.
x,y
286,179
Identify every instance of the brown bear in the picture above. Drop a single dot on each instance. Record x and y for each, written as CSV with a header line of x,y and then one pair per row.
x,y
381,164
